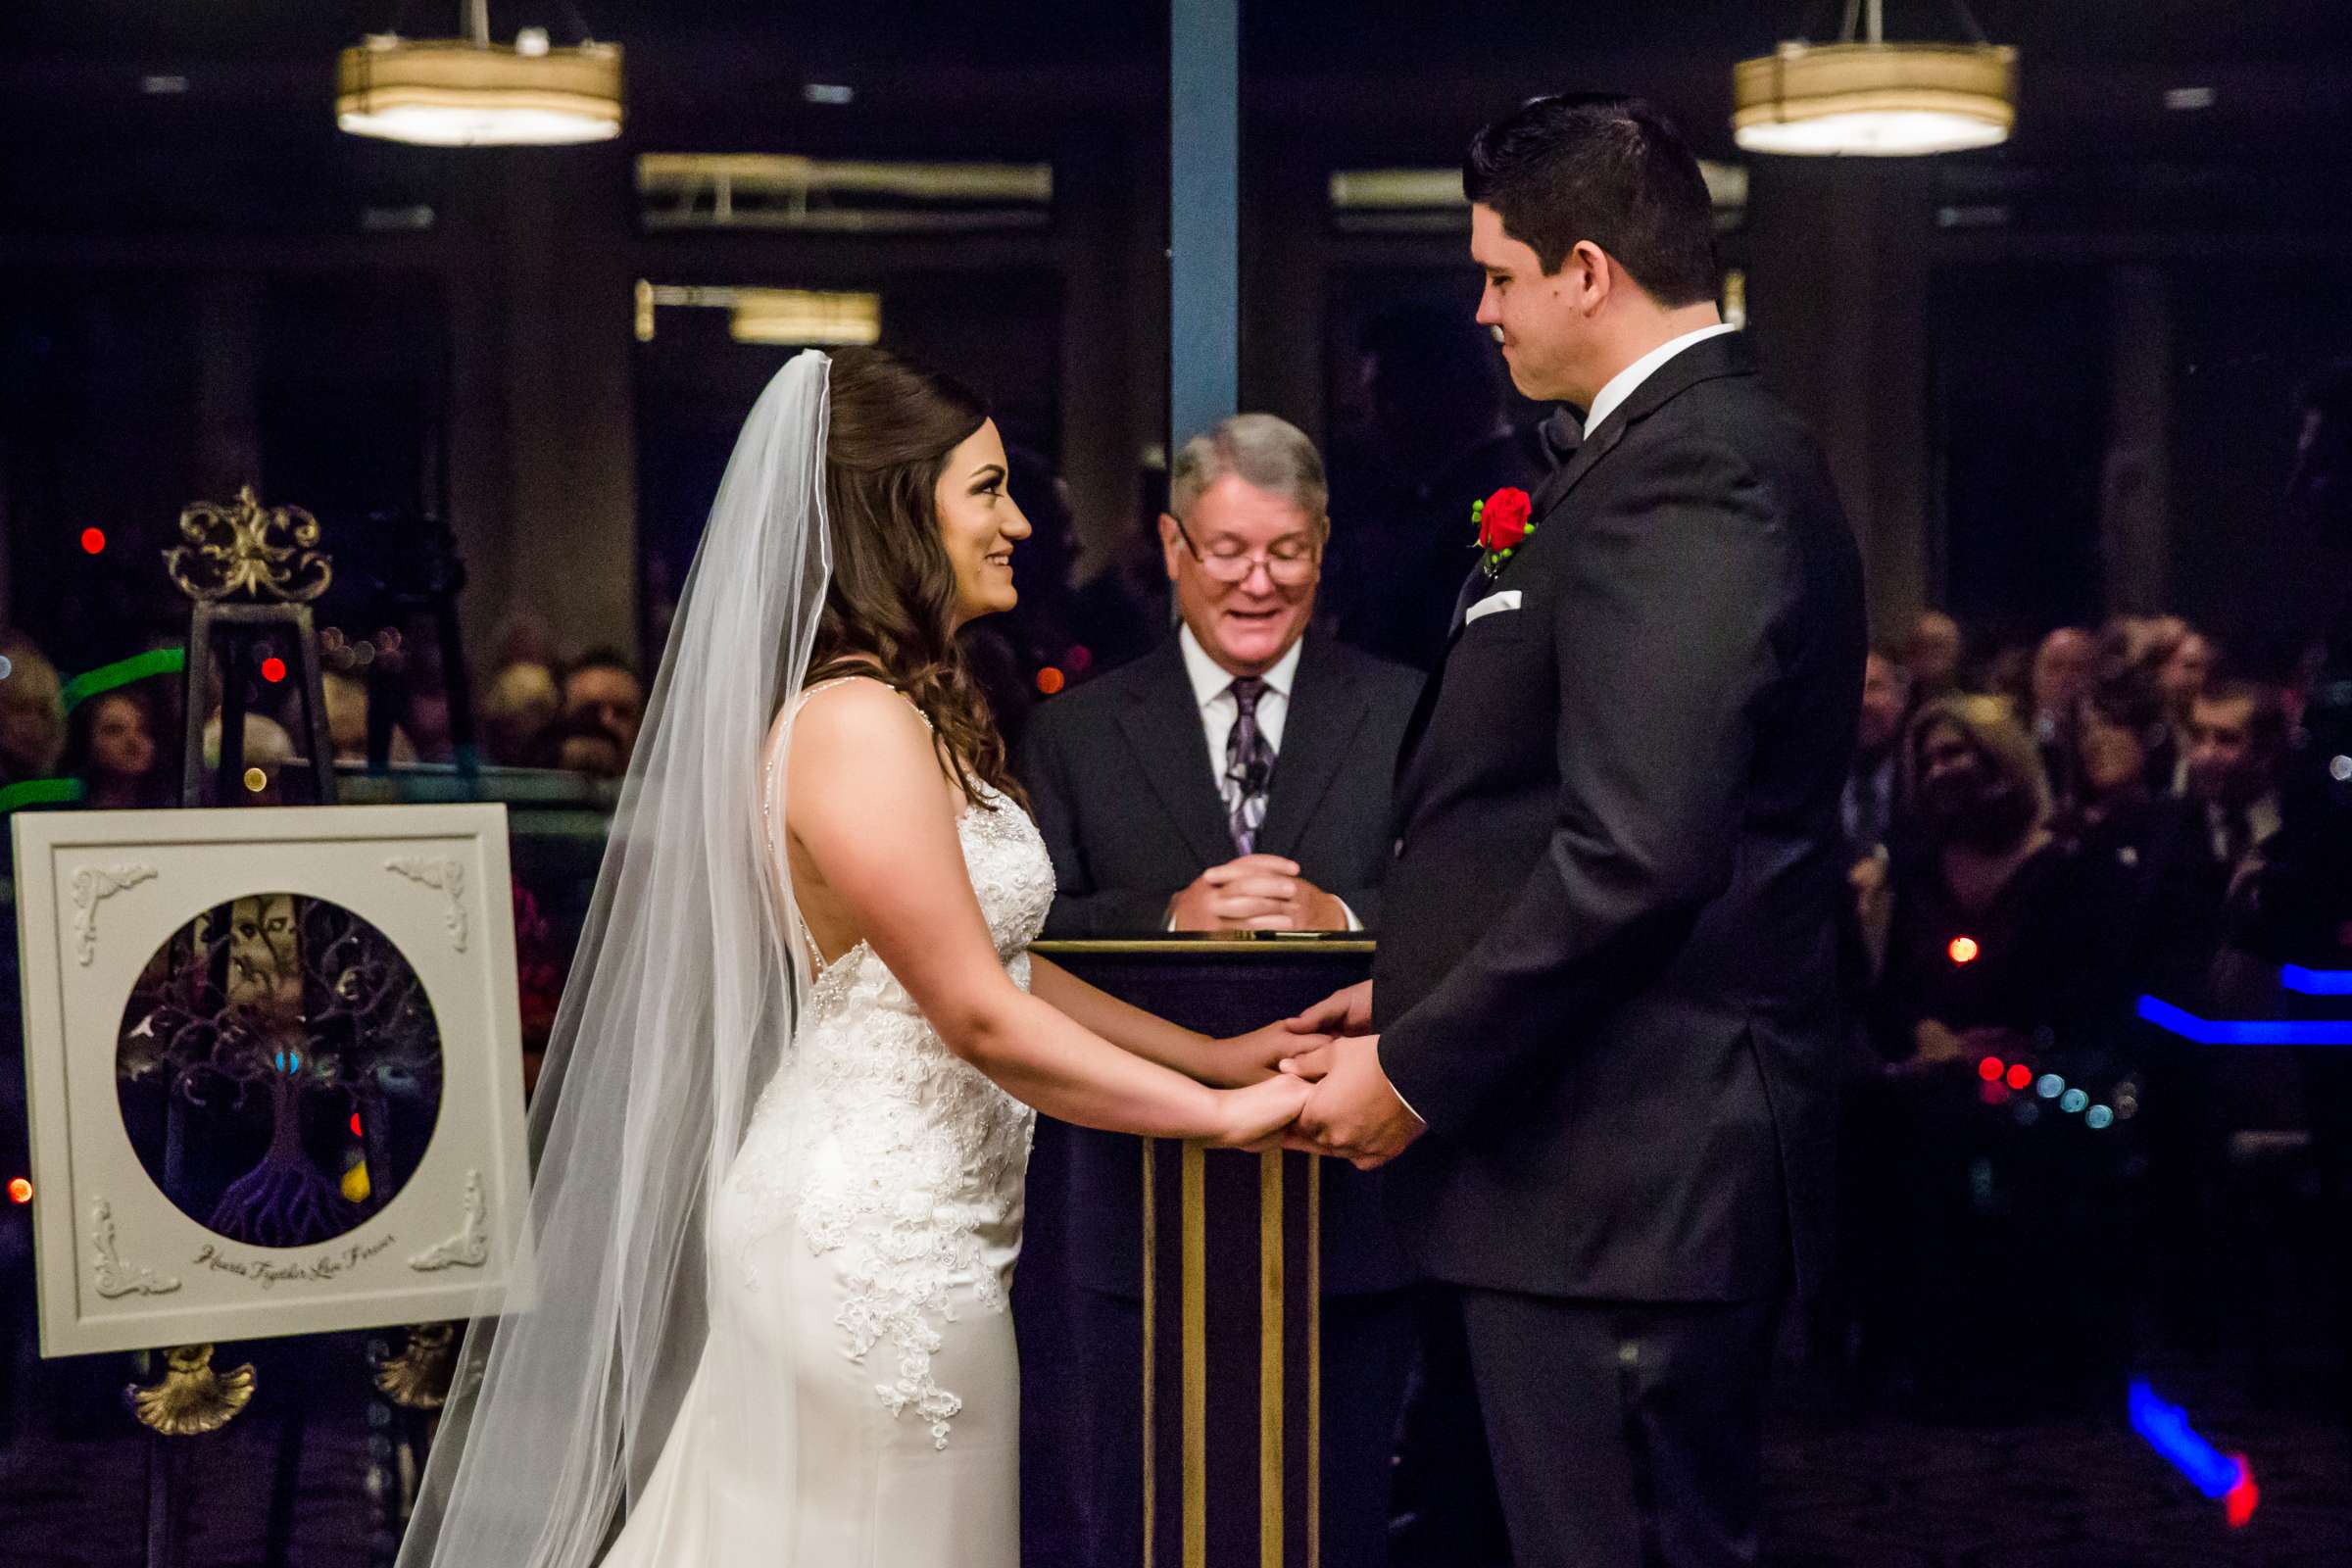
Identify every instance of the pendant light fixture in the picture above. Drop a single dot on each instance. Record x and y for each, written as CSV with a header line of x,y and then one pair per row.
x,y
1865,97
470,92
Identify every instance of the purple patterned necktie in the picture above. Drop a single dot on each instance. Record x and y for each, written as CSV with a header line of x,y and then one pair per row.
x,y
1248,767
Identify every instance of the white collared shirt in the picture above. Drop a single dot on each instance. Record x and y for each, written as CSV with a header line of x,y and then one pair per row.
x,y
1212,689
1620,386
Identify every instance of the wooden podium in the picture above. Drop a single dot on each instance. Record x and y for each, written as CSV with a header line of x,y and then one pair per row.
x,y
1232,1363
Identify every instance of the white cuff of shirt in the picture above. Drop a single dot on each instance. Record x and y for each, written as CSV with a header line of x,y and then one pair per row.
x,y
1398,1093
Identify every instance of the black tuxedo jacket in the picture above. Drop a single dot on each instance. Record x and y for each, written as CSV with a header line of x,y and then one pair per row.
x,y
1609,975
1119,777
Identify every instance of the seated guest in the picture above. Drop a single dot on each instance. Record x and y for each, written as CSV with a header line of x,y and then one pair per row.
x,y
2236,737
2064,665
347,720
2184,674
267,753
1866,810
1982,961
2152,888
521,703
602,692
1983,946
113,747
32,712
1933,655
1236,777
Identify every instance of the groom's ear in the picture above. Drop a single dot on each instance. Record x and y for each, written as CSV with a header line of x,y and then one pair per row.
x,y
1171,543
1588,273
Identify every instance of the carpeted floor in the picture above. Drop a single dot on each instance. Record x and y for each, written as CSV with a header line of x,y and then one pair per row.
x,y
1847,1491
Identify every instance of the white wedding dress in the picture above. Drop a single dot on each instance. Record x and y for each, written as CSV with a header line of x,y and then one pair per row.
x,y
868,1229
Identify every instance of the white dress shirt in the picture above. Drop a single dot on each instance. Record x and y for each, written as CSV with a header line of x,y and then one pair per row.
x,y
1212,689
1621,386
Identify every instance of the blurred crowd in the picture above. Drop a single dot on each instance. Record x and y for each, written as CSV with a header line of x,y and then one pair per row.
x,y
2040,836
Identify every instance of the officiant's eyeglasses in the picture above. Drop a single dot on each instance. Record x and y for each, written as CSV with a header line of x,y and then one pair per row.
x,y
1289,562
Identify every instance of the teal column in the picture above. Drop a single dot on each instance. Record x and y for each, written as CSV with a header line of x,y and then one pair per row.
x,y
1205,286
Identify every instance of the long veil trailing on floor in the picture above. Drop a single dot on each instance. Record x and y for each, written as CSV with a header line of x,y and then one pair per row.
x,y
680,1007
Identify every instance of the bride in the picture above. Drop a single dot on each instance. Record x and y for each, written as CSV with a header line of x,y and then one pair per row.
x,y
781,1139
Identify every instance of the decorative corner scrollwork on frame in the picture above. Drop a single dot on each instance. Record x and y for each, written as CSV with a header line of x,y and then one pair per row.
x,y
110,1276
234,548
93,885
444,876
469,1247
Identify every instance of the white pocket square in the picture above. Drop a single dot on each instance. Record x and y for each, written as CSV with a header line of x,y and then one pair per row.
x,y
1508,599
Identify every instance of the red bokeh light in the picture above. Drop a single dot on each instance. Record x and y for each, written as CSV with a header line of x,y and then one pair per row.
x,y
20,1190
273,669
1964,950
355,1124
2019,1075
2239,1503
1990,1070
93,541
1049,681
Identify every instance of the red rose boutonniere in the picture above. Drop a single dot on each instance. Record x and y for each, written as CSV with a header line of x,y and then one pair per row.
x,y
1503,525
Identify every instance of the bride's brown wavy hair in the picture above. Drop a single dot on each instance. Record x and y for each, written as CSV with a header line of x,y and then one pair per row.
x,y
890,607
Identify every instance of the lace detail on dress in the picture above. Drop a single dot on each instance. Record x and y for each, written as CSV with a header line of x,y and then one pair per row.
x,y
891,1152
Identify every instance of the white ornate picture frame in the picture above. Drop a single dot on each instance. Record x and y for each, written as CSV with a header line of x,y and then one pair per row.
x,y
122,1266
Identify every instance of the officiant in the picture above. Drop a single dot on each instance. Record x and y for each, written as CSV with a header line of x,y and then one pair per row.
x,y
1238,776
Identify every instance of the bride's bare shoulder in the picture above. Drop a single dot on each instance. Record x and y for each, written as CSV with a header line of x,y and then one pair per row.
x,y
854,729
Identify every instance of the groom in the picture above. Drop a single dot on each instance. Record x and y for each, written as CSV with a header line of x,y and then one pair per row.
x,y
1601,1031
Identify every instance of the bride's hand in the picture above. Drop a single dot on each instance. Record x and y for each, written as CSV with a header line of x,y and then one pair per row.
x,y
1243,1060
1254,1117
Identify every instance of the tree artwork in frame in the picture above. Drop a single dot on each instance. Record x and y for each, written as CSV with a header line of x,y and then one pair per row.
x,y
275,1071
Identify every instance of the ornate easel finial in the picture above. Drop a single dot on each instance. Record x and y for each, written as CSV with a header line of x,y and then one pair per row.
x,y
231,550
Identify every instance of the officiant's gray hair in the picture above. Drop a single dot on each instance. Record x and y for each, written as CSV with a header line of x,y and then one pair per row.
x,y
1268,453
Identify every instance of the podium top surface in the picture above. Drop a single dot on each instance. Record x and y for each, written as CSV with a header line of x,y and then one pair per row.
x,y
1202,944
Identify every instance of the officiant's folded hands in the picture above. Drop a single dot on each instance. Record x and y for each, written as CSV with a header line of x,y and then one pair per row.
x,y
1255,892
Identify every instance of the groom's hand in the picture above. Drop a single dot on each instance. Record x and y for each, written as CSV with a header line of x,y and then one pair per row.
x,y
1354,1112
1342,1012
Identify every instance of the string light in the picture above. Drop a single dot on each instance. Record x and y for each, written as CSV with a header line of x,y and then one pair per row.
x,y
1964,950
256,780
2315,982
2019,1075
2247,1032
2226,1476
1990,1069
273,669
93,541
1049,681
20,1190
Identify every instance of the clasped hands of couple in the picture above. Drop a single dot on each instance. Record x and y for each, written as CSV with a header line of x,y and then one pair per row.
x,y
1349,1111
1342,1102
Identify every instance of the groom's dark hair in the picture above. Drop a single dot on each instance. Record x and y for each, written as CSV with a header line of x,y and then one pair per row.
x,y
1607,169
